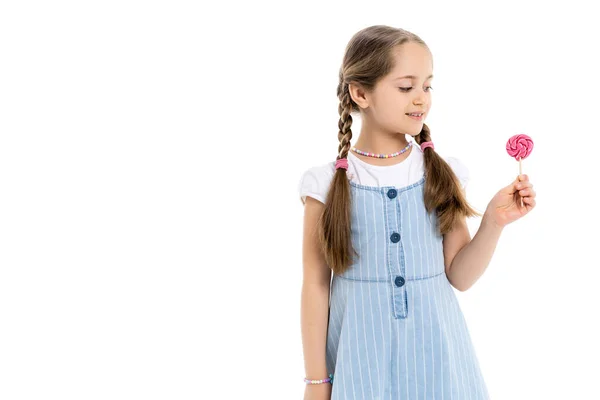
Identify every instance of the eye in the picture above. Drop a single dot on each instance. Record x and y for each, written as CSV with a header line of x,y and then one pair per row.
x,y
408,89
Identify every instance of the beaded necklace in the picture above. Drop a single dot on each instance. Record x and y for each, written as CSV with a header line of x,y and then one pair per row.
x,y
364,153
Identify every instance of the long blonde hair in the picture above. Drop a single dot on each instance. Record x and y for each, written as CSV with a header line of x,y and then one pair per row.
x,y
368,57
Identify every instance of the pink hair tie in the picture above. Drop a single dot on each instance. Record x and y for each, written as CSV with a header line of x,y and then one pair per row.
x,y
342,163
424,145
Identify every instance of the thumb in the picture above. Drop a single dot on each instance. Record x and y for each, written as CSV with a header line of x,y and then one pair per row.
x,y
512,188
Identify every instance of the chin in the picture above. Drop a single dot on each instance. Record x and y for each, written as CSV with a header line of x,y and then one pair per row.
x,y
417,131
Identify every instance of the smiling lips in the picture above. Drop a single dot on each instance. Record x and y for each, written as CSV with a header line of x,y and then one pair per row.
x,y
417,118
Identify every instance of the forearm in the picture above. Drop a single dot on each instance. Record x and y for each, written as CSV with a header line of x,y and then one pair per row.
x,y
472,260
314,321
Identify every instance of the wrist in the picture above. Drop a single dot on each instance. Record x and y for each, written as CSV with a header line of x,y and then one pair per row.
x,y
490,222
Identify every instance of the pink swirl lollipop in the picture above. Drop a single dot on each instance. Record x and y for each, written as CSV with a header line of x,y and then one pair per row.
x,y
519,146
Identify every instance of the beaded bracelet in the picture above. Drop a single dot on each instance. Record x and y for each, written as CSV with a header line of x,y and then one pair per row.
x,y
315,382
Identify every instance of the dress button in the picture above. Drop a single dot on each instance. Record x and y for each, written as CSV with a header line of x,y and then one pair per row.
x,y
392,193
399,281
395,237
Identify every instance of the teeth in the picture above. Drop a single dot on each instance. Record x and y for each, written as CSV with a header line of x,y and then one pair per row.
x,y
416,115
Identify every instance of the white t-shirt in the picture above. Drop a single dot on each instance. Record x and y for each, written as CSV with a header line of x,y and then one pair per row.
x,y
315,181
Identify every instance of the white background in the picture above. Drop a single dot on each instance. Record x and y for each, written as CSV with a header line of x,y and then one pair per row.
x,y
150,154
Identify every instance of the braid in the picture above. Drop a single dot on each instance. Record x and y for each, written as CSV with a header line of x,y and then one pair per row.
x,y
443,192
344,110
335,232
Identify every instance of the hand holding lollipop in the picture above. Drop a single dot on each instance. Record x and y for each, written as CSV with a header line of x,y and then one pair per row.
x,y
502,209
519,147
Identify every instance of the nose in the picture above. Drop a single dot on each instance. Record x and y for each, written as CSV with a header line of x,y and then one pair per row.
x,y
420,97
419,102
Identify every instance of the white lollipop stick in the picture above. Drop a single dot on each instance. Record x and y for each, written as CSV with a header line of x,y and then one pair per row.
x,y
520,173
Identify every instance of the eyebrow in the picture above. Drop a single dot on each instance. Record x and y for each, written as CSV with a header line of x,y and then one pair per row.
x,y
412,77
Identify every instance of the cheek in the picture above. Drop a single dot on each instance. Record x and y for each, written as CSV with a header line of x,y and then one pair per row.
x,y
391,107
397,102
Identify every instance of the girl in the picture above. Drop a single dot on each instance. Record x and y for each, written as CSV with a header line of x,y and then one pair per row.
x,y
388,219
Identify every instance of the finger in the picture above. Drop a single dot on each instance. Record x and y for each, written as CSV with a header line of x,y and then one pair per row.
x,y
530,201
527,192
516,185
523,177
524,185
512,188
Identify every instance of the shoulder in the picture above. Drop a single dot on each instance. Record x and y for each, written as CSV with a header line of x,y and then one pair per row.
x,y
460,169
314,181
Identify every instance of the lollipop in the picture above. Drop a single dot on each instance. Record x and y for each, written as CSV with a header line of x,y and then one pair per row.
x,y
519,147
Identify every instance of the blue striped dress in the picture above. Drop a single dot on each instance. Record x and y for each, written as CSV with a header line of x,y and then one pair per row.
x,y
396,330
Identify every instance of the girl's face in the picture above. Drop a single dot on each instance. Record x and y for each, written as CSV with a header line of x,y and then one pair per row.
x,y
397,94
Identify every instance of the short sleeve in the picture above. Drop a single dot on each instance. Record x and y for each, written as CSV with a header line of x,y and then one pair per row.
x,y
315,183
460,170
